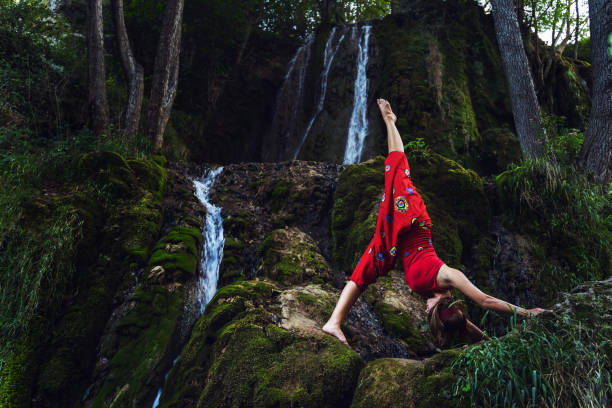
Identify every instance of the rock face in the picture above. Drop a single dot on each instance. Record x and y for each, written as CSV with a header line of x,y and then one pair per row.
x,y
437,62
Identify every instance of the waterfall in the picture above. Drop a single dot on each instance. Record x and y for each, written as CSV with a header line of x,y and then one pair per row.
x,y
289,98
358,125
328,58
212,247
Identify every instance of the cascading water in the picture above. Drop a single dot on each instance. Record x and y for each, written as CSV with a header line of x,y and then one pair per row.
x,y
212,248
286,120
330,52
358,125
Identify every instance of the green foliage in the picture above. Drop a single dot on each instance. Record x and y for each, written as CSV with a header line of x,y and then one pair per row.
x,y
41,69
550,197
561,363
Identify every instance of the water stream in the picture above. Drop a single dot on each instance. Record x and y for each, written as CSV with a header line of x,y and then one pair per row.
x,y
286,120
212,247
331,48
358,125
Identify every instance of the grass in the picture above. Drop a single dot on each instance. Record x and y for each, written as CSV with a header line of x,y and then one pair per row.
x,y
537,364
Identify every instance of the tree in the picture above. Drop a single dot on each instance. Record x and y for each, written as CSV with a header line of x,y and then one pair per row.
x,y
165,73
97,103
596,153
133,71
525,108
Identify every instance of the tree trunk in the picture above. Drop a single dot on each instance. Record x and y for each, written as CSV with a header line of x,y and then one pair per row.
x,y
525,108
577,30
133,72
98,106
596,154
165,73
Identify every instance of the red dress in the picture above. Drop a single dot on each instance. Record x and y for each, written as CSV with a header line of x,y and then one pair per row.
x,y
403,230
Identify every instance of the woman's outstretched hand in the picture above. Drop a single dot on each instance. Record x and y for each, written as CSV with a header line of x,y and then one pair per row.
x,y
536,311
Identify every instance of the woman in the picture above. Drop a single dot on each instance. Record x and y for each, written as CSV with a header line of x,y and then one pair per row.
x,y
403,230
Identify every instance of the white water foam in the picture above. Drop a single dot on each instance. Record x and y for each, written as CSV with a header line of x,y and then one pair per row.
x,y
358,125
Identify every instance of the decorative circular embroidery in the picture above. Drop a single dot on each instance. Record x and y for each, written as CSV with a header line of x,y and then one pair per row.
x,y
380,256
389,218
420,248
406,253
370,251
413,220
409,190
392,251
401,204
407,172
387,167
423,226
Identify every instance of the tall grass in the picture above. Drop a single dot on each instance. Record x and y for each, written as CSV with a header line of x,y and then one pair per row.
x,y
559,363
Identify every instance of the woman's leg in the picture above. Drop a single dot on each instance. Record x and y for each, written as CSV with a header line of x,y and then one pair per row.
x,y
349,295
393,137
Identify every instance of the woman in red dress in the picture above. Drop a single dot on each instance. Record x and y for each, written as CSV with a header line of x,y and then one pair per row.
x,y
403,230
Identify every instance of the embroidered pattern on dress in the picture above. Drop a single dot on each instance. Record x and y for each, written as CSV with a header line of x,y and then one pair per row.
x,y
389,218
406,253
387,167
383,198
407,172
401,204
392,251
370,251
380,256
409,190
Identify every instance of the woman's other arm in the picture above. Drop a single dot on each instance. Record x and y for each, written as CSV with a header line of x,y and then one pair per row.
x,y
455,278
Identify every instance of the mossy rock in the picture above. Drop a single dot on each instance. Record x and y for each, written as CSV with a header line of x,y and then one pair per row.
x,y
110,171
404,383
177,252
236,356
291,256
400,324
232,264
453,188
355,212
150,174
146,333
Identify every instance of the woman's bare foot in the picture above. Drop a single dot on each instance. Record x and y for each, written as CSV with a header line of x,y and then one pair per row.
x,y
385,110
335,331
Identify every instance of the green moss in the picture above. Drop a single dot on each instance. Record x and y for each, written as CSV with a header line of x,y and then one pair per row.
x,y
399,324
290,256
279,194
150,174
146,334
354,212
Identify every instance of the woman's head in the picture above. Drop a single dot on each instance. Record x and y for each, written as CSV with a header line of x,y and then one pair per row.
x,y
447,320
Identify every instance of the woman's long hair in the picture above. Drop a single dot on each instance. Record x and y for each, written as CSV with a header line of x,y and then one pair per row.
x,y
447,320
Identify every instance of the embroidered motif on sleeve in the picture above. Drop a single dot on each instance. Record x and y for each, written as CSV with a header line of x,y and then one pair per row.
x,y
392,251
387,167
407,172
